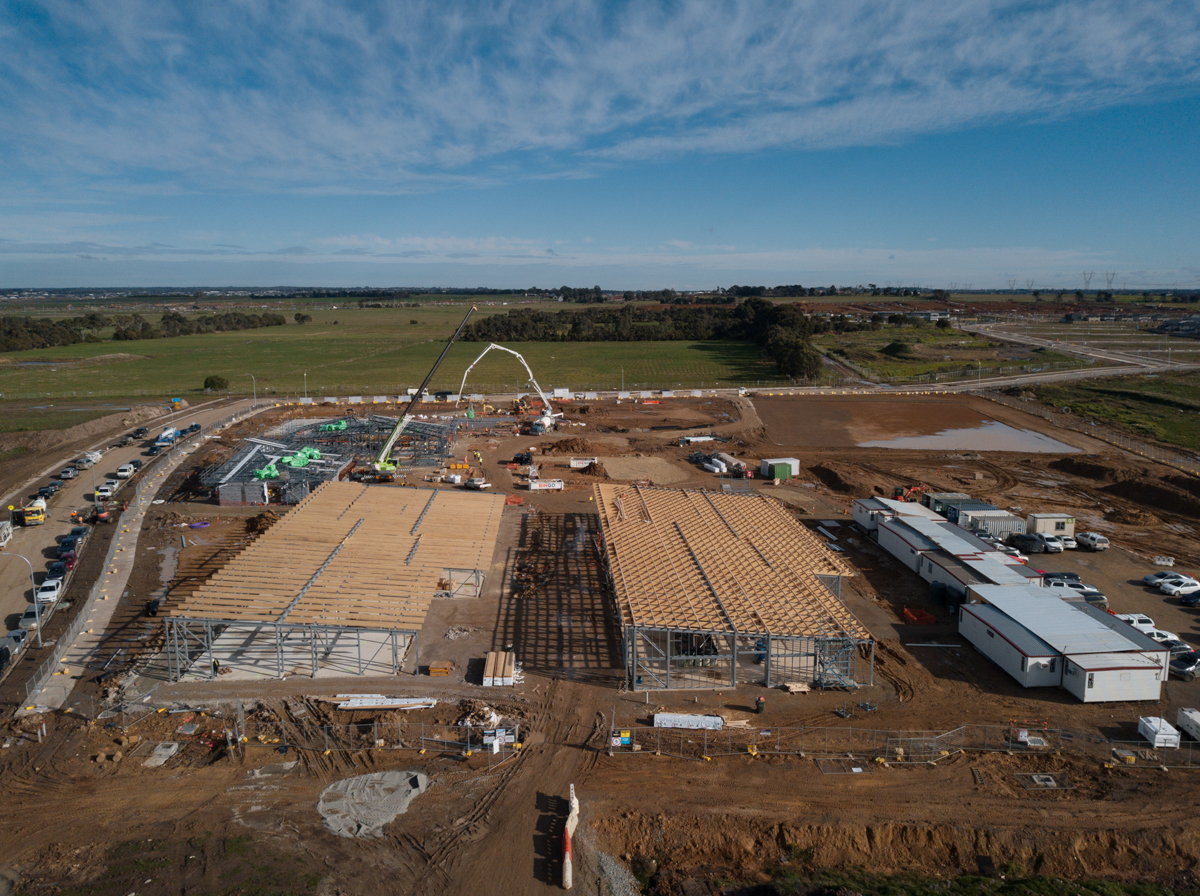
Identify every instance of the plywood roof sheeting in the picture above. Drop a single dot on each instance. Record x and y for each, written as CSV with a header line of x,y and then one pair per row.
x,y
710,561
353,555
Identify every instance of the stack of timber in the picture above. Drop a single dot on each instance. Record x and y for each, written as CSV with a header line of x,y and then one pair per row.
x,y
499,669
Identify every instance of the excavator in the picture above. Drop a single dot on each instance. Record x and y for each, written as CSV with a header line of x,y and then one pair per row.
x,y
383,463
544,422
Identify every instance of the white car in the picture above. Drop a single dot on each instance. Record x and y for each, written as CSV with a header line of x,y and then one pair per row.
x,y
94,456
114,484
1164,575
29,619
1068,542
1065,586
104,491
1051,542
1180,587
1016,555
17,639
50,591
125,471
1140,621
1160,636
1093,541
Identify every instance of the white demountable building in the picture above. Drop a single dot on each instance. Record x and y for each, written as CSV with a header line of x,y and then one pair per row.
x,y
1042,640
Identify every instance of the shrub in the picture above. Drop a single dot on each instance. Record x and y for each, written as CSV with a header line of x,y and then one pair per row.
x,y
216,384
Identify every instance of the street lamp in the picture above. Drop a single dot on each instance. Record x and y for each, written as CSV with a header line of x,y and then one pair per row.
x,y
37,608
255,388
306,384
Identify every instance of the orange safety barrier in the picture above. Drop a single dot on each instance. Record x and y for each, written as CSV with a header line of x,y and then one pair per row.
x,y
918,617
514,500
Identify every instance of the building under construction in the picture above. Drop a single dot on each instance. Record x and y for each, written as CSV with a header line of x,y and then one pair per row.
x,y
717,589
286,465
339,586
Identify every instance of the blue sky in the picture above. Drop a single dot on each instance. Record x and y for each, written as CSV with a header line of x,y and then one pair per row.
x,y
634,145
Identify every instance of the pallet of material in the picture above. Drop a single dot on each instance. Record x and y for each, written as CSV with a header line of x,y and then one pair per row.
x,y
440,669
380,701
499,668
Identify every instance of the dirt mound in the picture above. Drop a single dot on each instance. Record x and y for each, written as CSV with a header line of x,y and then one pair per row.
x,y
595,469
1131,517
257,525
843,481
1085,467
574,445
1157,497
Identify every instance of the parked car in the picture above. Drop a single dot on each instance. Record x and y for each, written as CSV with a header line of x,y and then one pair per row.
x,y
1155,579
141,432
57,570
54,485
195,427
1160,636
1030,544
104,491
94,456
1016,555
125,471
152,450
45,493
1061,576
136,463
68,545
1096,599
1140,621
1190,600
17,640
84,463
49,592
1092,541
1064,588
29,619
1177,647
1068,542
125,440
1186,666
1179,588
1050,542
80,532
114,484
68,473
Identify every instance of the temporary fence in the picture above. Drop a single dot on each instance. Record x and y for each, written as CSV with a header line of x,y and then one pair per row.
x,y
144,489
1101,431
895,747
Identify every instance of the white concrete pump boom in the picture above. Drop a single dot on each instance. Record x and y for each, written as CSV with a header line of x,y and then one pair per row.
x,y
549,415
383,462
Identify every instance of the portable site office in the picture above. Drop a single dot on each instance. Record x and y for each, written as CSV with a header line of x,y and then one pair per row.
x,y
716,589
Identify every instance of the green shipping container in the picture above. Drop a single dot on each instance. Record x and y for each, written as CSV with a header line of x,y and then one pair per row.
x,y
781,471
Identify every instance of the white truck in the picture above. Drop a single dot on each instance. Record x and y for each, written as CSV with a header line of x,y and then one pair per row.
x,y
6,532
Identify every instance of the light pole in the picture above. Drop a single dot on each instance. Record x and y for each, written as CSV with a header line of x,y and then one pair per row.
x,y
979,376
306,384
255,388
622,379
37,608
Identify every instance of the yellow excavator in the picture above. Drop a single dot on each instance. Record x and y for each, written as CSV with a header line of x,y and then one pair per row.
x,y
383,463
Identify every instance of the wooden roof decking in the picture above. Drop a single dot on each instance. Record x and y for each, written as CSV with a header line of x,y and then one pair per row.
x,y
353,555
709,561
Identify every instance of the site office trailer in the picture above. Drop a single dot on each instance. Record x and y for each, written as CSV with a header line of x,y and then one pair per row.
x,y
903,543
1011,646
1050,524
994,522
1109,677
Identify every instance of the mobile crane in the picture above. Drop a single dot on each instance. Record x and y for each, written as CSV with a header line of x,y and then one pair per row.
x,y
383,462
547,420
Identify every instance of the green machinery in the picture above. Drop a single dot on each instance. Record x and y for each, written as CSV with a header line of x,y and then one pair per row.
x,y
270,471
301,457
338,426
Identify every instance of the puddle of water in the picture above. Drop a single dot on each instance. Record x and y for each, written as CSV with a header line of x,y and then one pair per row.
x,y
170,562
990,436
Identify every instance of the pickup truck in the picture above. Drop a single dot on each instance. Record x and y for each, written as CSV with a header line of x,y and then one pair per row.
x,y
478,483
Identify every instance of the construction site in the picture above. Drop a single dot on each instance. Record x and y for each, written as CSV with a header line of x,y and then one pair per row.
x,y
383,628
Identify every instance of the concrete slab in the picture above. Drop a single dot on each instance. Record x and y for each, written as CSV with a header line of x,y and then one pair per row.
x,y
361,806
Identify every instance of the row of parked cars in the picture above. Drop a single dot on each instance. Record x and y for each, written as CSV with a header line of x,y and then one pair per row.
x,y
1185,661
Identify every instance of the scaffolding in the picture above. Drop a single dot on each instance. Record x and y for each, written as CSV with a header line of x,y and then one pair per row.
x,y
204,646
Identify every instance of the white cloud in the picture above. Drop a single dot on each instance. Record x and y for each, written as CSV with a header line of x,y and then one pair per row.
x,y
329,97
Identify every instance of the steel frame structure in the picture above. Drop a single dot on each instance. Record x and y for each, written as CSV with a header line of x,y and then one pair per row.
x,y
188,639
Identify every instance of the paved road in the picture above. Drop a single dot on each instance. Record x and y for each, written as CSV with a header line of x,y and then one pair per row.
x,y
37,543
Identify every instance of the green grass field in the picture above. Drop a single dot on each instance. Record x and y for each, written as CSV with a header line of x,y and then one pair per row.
x,y
933,351
1165,408
368,351
21,417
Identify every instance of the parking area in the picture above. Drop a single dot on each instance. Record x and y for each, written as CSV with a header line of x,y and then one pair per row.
x,y
1118,573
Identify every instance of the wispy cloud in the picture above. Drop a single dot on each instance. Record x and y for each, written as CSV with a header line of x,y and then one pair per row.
x,y
392,97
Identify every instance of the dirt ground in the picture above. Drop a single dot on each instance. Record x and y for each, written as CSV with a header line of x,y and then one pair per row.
x,y
209,822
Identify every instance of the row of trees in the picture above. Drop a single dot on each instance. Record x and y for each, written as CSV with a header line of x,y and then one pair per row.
x,y
22,333
783,332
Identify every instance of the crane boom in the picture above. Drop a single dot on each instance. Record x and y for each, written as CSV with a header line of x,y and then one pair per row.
x,y
540,391
383,462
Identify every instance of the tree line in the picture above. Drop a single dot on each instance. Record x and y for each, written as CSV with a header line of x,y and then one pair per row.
x,y
783,332
23,333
